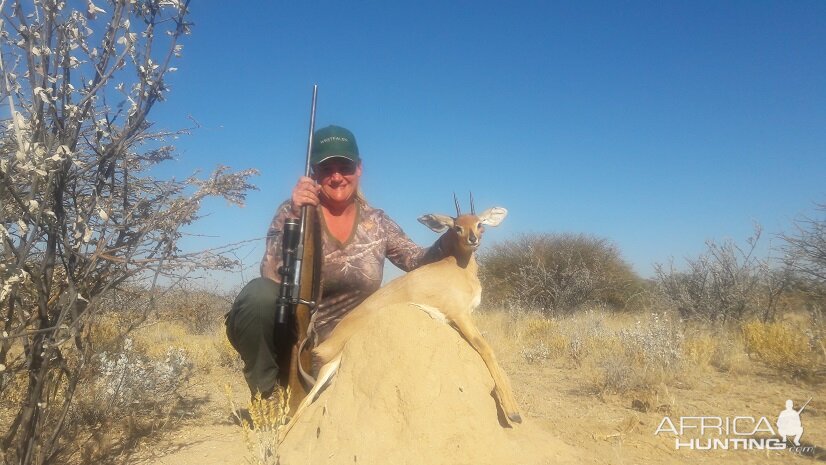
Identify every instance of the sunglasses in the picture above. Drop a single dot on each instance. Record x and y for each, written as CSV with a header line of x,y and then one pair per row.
x,y
328,169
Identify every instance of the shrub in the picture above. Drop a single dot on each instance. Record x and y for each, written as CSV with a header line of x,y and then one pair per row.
x,y
127,396
779,345
131,382
200,311
817,329
730,353
806,251
589,337
646,354
616,373
725,283
655,342
556,273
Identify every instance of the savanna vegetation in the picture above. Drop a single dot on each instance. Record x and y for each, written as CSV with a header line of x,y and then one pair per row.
x,y
575,299
102,337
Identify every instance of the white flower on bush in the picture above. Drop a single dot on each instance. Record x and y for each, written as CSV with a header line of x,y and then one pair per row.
x,y
129,377
658,340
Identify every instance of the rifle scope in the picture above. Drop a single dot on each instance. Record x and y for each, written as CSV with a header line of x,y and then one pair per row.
x,y
289,255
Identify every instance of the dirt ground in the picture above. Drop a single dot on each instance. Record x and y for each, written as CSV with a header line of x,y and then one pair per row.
x,y
603,429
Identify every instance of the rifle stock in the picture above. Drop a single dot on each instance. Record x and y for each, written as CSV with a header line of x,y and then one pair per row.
x,y
310,292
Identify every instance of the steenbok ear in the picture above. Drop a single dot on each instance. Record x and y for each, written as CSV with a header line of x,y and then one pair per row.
x,y
438,223
493,216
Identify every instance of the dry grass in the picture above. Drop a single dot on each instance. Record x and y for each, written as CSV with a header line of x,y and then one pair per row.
x,y
547,342
261,424
699,349
639,357
138,389
204,350
781,345
640,354
133,387
226,355
14,386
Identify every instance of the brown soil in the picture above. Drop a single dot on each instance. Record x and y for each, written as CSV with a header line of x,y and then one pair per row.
x,y
422,395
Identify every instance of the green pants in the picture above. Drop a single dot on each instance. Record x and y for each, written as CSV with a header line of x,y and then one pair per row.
x,y
251,330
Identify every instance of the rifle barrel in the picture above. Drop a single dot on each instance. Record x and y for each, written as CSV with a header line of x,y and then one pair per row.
x,y
312,130
804,405
302,228
307,164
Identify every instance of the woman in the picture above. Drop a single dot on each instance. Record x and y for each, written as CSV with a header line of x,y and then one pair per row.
x,y
356,239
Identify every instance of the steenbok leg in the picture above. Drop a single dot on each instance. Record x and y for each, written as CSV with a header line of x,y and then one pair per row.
x,y
502,385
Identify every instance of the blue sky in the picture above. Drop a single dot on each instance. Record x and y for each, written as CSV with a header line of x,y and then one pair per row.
x,y
658,125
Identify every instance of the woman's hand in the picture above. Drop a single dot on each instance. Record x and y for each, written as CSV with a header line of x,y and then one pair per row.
x,y
305,192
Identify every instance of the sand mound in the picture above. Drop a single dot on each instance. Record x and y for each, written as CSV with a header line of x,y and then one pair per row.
x,y
410,390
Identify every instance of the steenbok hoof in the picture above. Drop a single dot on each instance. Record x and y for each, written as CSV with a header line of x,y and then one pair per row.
x,y
515,418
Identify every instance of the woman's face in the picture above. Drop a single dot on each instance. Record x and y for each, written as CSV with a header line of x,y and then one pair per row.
x,y
339,181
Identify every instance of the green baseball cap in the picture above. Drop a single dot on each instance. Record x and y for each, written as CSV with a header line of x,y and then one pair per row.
x,y
334,141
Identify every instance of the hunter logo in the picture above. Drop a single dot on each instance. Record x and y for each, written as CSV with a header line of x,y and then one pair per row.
x,y
788,422
737,433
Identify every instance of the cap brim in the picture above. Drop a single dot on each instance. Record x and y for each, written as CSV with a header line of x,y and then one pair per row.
x,y
330,157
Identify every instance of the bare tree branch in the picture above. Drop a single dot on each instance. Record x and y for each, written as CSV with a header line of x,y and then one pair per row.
x,y
80,215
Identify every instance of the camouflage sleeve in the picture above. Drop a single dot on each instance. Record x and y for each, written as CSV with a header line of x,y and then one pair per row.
x,y
403,252
272,253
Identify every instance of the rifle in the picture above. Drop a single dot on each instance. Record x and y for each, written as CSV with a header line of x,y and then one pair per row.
x,y
301,262
804,406
292,247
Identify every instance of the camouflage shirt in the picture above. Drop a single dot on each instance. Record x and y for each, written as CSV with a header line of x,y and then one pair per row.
x,y
352,270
